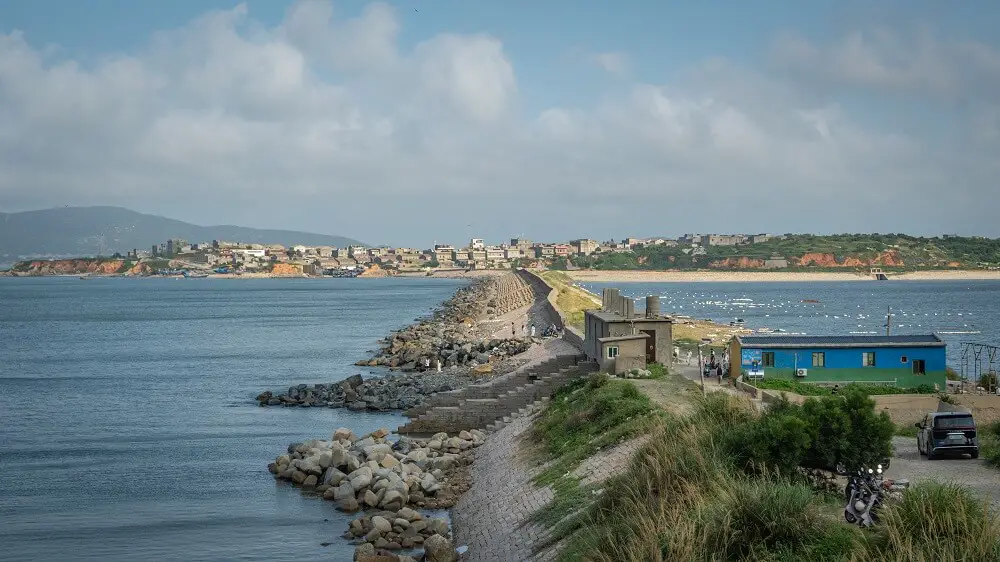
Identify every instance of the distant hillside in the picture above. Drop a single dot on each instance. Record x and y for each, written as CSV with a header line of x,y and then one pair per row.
x,y
86,231
806,251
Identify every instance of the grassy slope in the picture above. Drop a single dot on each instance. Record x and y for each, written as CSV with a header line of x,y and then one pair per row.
x,y
570,300
682,499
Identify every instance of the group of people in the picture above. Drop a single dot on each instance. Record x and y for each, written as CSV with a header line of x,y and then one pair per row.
x,y
713,367
526,330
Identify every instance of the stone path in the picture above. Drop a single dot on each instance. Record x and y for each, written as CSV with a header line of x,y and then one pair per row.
x,y
611,462
491,518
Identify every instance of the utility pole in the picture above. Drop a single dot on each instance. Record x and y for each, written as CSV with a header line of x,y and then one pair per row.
x,y
888,320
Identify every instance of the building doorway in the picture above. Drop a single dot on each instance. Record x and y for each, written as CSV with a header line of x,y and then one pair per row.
x,y
650,346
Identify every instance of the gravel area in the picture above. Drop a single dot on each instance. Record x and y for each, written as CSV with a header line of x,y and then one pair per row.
x,y
909,464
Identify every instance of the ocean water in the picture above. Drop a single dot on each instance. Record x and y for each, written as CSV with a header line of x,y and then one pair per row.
x,y
129,431
959,311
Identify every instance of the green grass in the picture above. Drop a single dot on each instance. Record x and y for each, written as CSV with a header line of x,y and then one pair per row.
x,y
989,444
586,416
683,498
657,371
570,300
807,389
906,430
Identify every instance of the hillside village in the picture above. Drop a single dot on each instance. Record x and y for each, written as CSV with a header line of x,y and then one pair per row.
x,y
317,260
855,252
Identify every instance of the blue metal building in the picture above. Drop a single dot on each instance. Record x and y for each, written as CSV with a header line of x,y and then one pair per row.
x,y
905,361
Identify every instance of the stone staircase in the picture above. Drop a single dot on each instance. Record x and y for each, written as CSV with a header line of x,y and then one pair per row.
x,y
480,406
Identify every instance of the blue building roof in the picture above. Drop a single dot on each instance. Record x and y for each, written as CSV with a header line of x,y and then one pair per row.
x,y
779,341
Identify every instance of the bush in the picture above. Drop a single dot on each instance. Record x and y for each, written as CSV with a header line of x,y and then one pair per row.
x,y
821,433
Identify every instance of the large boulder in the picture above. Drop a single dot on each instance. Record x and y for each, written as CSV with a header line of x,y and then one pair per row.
x,y
439,549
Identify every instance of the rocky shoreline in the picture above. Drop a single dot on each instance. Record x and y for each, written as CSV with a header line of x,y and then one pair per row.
x,y
372,472
453,336
451,349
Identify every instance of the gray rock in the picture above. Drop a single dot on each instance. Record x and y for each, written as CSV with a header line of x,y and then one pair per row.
x,y
364,551
439,549
348,505
382,524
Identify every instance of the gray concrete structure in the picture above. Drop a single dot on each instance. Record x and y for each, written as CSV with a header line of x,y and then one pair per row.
x,y
612,334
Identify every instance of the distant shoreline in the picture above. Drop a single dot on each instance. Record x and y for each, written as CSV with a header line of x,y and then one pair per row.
x,y
633,276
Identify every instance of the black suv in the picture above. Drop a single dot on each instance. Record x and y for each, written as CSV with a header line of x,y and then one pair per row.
x,y
945,433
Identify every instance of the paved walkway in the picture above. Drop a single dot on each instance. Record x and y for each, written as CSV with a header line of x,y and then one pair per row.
x,y
491,518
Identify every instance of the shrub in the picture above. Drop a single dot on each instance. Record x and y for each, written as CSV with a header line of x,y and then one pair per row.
x,y
821,433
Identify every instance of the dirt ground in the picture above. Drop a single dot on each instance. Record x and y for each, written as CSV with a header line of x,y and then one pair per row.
x,y
974,474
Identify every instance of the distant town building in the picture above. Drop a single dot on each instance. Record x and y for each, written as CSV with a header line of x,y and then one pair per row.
x,y
584,246
726,239
477,244
523,243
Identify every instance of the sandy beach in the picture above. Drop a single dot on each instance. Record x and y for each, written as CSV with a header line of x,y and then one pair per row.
x,y
770,276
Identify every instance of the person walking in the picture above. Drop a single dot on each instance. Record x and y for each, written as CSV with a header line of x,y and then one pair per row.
x,y
437,363
532,330
513,333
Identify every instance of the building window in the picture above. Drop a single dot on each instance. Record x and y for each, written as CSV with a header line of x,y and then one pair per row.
x,y
919,367
612,351
819,359
903,359
868,359
767,358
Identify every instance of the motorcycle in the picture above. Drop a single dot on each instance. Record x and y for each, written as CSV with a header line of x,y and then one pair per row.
x,y
866,492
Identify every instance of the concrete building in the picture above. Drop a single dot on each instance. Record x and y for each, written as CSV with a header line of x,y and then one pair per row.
x,y
560,250
444,253
620,340
726,239
494,254
477,244
775,262
522,244
584,246
905,361
512,253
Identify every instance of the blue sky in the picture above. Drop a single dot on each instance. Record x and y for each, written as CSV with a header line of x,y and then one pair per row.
x,y
785,107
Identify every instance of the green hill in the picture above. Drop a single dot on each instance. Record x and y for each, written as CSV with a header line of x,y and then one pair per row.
x,y
87,231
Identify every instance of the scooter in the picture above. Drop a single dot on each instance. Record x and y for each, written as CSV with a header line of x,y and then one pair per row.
x,y
866,491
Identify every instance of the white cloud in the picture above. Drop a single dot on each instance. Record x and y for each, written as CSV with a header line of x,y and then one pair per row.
x,y
613,63
328,124
916,62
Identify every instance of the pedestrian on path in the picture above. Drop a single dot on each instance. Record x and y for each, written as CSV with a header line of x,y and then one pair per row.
x,y
532,330
437,362
513,333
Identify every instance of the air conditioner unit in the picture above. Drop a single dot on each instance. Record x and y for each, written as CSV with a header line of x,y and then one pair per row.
x,y
801,372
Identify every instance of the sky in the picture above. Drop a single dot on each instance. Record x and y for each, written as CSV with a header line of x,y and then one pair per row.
x,y
415,122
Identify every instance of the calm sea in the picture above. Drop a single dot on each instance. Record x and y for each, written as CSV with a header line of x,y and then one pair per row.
x,y
959,311
128,427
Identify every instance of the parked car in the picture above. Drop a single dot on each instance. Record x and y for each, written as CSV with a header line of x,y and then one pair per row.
x,y
947,433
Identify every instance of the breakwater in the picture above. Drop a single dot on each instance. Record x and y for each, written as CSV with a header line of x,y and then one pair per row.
x,y
389,477
468,337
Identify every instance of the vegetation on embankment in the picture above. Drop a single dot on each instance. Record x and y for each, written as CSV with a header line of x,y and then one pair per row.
x,y
569,299
806,252
806,389
586,416
725,483
989,444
